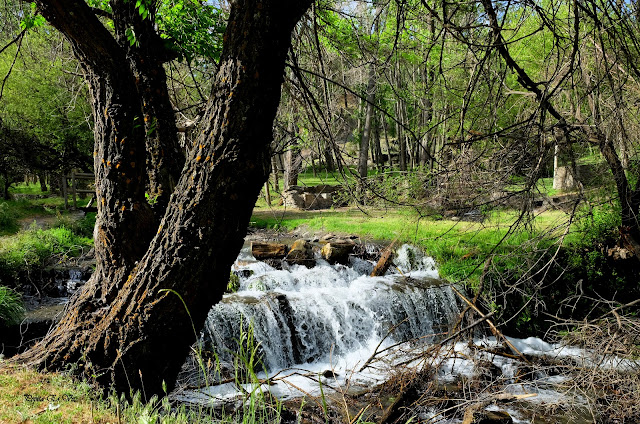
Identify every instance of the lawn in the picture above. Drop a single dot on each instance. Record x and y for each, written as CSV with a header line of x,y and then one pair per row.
x,y
459,247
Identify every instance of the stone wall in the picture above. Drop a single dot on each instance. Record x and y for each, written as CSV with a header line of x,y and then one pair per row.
x,y
309,198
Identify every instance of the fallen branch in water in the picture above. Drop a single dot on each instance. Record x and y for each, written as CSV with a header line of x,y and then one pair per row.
x,y
492,327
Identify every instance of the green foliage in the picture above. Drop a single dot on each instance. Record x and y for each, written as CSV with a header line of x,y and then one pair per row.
x,y
47,129
195,27
8,222
156,411
11,308
32,20
234,283
600,225
36,248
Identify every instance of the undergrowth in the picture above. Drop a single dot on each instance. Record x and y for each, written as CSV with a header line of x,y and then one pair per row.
x,y
36,248
11,308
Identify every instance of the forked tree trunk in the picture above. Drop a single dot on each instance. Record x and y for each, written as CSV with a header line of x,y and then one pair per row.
x,y
133,323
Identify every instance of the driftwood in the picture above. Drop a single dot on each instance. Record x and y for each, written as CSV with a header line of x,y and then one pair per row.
x,y
474,413
492,327
261,250
301,254
385,261
337,251
409,394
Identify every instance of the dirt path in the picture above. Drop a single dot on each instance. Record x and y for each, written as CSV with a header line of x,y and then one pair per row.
x,y
47,221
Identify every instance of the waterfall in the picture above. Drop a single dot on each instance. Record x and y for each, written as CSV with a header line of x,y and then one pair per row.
x,y
302,316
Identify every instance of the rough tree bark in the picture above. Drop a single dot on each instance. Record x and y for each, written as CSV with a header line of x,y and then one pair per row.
x,y
129,326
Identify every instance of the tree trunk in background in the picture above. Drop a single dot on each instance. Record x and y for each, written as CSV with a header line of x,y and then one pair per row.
x,y
5,186
293,159
129,326
274,171
383,119
368,121
330,163
402,146
43,181
377,149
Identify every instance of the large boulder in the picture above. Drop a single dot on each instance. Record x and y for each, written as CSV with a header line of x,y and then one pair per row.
x,y
293,198
318,200
486,417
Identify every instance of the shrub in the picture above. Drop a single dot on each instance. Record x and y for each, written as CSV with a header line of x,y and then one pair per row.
x,y
8,222
37,248
11,308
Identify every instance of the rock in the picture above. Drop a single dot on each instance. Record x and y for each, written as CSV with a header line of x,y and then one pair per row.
x,y
323,188
301,254
262,250
287,313
293,198
330,374
318,201
337,251
618,253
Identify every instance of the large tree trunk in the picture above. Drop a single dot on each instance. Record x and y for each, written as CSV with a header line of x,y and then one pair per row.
x,y
133,323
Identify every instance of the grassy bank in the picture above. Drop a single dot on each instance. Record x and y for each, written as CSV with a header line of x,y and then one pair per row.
x,y
531,267
459,247
28,396
37,248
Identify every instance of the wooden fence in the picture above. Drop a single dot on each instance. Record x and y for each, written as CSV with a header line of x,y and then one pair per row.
x,y
75,177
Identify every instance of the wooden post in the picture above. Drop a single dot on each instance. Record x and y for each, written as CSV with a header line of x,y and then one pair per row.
x,y
64,191
73,189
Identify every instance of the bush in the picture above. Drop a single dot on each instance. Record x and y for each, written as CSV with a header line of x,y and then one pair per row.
x,y
600,226
8,221
82,227
11,308
37,248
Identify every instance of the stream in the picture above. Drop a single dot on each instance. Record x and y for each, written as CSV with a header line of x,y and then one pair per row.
x,y
334,329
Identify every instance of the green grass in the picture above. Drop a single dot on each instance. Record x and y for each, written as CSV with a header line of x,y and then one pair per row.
x,y
27,188
37,248
544,186
12,211
459,248
11,308
322,177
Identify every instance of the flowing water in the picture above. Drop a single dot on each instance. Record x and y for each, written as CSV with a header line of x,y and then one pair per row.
x,y
316,328
305,316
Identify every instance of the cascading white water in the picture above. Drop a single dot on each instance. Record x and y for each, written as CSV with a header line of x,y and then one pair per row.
x,y
302,315
333,318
